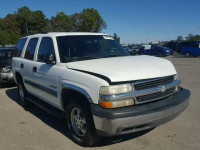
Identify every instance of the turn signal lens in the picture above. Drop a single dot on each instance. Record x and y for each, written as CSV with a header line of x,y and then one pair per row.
x,y
116,104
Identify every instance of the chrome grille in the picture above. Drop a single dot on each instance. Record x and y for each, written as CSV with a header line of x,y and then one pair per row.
x,y
155,96
146,84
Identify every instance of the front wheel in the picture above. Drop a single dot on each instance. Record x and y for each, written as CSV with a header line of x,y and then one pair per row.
x,y
80,124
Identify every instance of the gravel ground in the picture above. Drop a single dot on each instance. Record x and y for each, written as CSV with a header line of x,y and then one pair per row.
x,y
34,129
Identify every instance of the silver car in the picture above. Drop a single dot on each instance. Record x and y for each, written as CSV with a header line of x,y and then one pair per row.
x,y
6,75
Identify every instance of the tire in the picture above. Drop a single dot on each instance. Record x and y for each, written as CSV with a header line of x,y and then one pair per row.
x,y
80,123
22,93
187,54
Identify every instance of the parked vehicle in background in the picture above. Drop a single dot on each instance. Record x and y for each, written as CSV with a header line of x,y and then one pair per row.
x,y
155,50
175,46
136,47
6,74
192,50
131,51
91,81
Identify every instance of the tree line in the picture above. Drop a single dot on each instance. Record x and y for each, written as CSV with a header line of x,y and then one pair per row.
x,y
25,22
189,38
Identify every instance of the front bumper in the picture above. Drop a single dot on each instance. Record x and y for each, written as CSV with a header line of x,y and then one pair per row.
x,y
109,122
6,77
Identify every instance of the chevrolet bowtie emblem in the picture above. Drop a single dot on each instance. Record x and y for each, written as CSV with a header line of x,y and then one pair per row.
x,y
162,88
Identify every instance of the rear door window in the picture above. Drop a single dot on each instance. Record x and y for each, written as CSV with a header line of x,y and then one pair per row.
x,y
30,50
20,46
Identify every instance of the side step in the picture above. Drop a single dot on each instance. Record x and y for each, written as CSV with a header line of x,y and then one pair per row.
x,y
47,107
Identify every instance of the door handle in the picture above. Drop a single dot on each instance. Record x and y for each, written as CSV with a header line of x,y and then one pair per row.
x,y
34,69
22,66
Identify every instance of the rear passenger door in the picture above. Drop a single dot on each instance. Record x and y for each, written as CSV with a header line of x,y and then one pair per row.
x,y
45,73
26,65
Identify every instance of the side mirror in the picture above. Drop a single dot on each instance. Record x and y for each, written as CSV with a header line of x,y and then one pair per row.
x,y
51,59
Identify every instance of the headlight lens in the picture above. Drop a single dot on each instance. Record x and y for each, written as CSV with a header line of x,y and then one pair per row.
x,y
112,91
115,89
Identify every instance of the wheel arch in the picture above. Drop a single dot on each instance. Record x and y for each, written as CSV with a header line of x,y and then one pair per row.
x,y
69,90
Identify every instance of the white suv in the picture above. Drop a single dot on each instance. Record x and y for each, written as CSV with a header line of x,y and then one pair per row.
x,y
90,80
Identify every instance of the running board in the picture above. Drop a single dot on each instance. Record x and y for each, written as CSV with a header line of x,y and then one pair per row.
x,y
47,107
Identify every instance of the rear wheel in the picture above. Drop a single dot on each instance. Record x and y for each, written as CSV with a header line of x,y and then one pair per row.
x,y
22,93
80,124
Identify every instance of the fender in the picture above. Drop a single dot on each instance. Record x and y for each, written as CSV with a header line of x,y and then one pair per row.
x,y
77,89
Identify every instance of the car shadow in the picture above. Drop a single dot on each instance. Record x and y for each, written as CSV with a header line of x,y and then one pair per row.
x,y
60,124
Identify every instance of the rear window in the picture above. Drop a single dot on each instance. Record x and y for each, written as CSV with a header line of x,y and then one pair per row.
x,y
20,46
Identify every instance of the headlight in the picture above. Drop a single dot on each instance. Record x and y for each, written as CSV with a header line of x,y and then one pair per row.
x,y
115,89
112,91
5,69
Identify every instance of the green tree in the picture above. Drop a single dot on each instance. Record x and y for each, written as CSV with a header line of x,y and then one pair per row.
x,y
26,21
11,24
196,38
179,39
24,16
117,38
37,22
76,22
91,21
192,37
31,21
61,22
4,37
189,37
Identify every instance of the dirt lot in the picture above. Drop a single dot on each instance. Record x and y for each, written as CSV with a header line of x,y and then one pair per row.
x,y
34,129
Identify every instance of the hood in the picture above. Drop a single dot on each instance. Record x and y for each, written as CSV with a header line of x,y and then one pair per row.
x,y
126,68
5,62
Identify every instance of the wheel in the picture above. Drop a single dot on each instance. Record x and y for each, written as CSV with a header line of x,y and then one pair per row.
x,y
22,93
80,124
187,54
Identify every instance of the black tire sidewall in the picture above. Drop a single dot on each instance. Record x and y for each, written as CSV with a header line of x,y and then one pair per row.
x,y
22,102
88,138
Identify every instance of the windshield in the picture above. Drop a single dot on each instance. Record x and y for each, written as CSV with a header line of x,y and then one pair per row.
x,y
6,54
76,48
